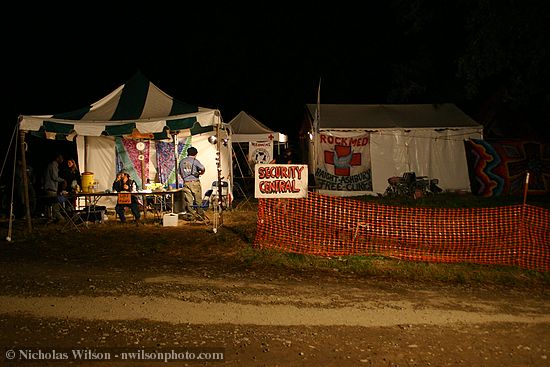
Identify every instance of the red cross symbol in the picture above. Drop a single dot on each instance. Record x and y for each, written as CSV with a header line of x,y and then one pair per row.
x,y
270,137
342,165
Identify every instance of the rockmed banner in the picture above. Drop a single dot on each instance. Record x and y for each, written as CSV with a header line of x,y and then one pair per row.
x,y
343,162
280,181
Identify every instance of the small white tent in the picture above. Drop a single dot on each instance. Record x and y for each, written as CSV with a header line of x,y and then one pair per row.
x,y
356,148
246,134
245,128
136,110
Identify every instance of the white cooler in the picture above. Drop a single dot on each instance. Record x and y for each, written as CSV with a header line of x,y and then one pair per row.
x,y
170,220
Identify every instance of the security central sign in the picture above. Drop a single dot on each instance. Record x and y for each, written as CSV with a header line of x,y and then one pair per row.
x,y
280,181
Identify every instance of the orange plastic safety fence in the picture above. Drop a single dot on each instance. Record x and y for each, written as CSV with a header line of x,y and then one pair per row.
x,y
333,226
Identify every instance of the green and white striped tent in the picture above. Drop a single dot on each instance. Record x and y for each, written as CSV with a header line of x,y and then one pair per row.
x,y
137,109
136,105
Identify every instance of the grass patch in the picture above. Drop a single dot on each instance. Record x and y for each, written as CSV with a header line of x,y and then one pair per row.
x,y
459,273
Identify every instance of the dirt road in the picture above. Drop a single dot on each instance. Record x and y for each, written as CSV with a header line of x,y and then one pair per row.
x,y
330,320
61,296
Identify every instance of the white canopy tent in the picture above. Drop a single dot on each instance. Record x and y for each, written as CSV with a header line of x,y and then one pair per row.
x,y
424,138
244,131
245,128
137,110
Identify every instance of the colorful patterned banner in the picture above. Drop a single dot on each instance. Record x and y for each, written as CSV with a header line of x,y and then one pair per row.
x,y
165,159
128,159
500,167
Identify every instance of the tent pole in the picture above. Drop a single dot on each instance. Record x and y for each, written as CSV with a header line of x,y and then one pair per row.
x,y
218,209
143,197
219,165
10,220
229,146
85,153
237,160
175,139
246,156
243,186
25,179
142,163
316,133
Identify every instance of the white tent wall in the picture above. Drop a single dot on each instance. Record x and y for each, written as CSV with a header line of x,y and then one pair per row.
x,y
428,152
448,158
389,157
97,155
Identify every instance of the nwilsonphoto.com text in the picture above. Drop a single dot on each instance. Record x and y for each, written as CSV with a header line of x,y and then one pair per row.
x,y
112,354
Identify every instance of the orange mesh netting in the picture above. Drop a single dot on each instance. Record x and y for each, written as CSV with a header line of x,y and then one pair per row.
x,y
333,226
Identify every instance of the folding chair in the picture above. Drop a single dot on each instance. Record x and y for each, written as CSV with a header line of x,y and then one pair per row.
x,y
205,203
72,216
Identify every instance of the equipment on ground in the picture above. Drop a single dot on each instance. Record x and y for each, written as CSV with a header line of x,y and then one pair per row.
x,y
410,185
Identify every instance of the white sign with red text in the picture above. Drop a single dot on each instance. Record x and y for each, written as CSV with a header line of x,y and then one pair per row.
x,y
280,181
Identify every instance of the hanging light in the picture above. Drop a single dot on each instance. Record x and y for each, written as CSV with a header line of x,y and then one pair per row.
x,y
212,139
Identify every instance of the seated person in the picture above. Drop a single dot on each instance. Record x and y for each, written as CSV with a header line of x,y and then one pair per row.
x,y
123,183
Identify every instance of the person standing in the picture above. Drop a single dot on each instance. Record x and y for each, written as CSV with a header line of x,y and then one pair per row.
x,y
52,182
71,175
190,170
286,157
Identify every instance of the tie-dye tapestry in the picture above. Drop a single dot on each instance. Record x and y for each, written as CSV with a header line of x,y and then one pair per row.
x,y
128,159
165,159
500,167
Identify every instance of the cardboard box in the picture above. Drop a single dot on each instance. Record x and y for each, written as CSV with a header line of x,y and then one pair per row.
x,y
170,220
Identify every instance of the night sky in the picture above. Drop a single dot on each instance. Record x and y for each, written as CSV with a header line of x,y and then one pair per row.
x,y
268,61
